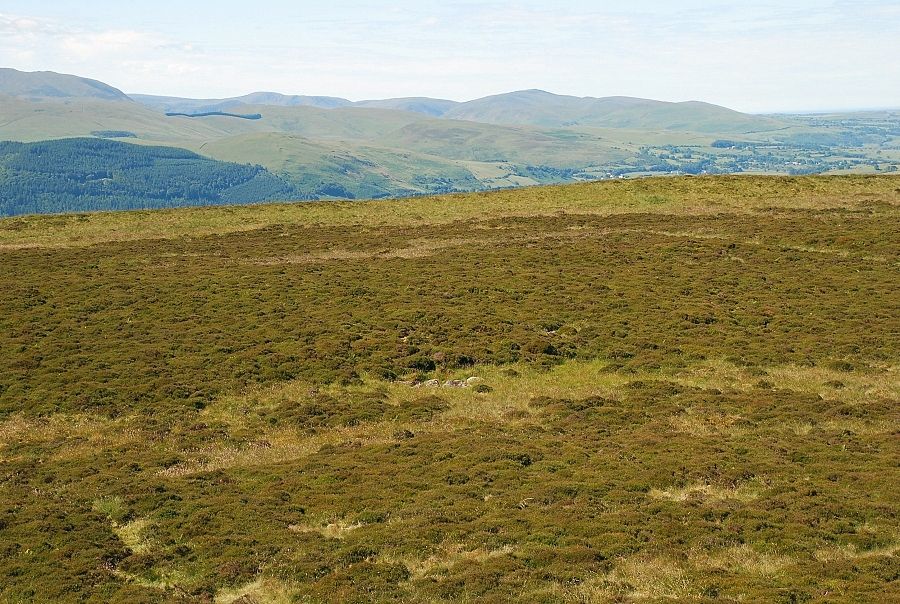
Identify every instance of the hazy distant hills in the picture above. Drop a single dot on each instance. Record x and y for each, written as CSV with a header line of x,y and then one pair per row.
x,y
525,107
423,105
274,99
50,85
329,147
522,108
540,108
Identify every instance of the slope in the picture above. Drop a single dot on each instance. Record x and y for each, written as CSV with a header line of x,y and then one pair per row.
x,y
26,121
48,84
344,169
75,175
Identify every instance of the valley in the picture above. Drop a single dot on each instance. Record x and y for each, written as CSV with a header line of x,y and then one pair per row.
x,y
330,148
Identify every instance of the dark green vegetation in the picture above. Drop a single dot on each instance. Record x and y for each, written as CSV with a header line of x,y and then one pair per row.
x,y
688,392
92,174
113,134
243,116
327,147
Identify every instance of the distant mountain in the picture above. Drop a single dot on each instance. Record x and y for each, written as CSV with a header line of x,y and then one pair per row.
x,y
184,105
424,105
523,108
39,85
544,109
328,147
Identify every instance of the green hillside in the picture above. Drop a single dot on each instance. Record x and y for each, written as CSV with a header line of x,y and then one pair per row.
x,y
91,174
346,170
648,390
27,121
327,147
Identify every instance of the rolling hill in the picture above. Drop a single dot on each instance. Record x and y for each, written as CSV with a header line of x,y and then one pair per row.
x,y
330,147
182,105
75,175
50,85
424,105
523,108
544,109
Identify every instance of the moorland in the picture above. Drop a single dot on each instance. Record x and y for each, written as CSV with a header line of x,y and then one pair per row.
x,y
670,389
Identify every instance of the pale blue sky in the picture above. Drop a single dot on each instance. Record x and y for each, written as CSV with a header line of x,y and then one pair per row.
x,y
752,56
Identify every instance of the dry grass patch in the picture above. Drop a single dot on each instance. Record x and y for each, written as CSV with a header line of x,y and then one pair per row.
x,y
90,429
744,492
743,559
263,590
851,426
446,557
855,387
167,581
332,530
514,386
668,578
635,579
851,552
703,424
135,535
283,445
647,578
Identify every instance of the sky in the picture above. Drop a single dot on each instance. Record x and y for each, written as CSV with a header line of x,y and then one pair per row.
x,y
767,56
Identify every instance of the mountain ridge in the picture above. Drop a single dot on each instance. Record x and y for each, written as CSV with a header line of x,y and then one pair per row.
x,y
418,145
38,85
530,107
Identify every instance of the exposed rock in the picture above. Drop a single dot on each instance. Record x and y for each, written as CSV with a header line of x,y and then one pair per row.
x,y
472,380
455,384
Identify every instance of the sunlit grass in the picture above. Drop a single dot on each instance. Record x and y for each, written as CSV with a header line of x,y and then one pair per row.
x,y
678,195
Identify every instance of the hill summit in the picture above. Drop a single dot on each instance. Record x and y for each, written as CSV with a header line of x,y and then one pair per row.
x,y
40,85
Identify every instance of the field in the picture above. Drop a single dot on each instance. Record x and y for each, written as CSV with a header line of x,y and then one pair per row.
x,y
670,389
